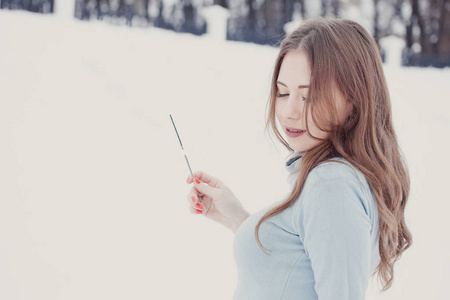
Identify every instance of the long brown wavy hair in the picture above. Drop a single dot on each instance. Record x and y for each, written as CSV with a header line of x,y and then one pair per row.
x,y
343,56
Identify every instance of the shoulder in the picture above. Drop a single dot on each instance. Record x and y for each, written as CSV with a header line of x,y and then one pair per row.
x,y
335,193
336,182
336,171
335,168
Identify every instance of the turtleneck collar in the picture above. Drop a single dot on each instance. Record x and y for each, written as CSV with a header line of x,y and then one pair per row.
x,y
293,162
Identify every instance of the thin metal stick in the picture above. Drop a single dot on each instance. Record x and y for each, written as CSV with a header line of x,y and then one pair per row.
x,y
185,156
182,148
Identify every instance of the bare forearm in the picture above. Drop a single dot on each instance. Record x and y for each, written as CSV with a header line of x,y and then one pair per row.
x,y
239,219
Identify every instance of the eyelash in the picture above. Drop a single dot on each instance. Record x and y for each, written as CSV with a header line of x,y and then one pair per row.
x,y
284,95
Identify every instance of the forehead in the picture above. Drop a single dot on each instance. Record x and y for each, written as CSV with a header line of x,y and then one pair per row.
x,y
295,69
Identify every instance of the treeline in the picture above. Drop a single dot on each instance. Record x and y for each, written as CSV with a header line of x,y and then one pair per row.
x,y
37,6
181,16
424,25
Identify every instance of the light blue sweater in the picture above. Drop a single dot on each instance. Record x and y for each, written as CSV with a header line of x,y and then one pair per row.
x,y
324,246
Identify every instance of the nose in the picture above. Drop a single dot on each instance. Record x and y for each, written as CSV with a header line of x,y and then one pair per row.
x,y
292,108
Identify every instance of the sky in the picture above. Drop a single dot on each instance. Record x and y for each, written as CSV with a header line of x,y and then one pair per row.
x,y
93,197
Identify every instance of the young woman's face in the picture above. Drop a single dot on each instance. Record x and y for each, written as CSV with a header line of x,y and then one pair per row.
x,y
293,85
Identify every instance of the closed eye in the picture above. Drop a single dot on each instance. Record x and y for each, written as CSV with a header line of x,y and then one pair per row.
x,y
282,95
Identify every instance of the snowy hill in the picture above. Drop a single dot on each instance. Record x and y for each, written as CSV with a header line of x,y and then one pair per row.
x,y
93,194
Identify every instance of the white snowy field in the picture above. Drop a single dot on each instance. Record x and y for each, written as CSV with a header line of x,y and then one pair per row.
x,y
93,182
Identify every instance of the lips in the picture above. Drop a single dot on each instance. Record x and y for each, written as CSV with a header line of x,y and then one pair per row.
x,y
294,130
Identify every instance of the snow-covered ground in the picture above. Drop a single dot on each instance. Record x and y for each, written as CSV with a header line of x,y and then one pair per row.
x,y
93,194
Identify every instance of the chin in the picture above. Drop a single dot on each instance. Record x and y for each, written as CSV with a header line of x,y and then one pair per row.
x,y
301,147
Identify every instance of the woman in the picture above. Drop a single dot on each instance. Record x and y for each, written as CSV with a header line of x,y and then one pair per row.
x,y
343,219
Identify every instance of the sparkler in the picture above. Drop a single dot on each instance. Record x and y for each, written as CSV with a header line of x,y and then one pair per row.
x,y
185,156
181,144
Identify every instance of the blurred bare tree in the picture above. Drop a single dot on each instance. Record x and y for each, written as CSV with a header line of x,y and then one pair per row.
x,y
426,31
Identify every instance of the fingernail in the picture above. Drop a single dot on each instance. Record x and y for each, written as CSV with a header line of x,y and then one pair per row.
x,y
198,205
197,181
198,211
193,198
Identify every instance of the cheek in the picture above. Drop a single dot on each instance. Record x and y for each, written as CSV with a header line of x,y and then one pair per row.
x,y
277,109
315,130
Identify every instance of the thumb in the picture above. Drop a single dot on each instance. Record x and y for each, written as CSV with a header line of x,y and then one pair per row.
x,y
206,189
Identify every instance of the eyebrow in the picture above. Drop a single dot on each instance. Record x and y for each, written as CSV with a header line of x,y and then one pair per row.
x,y
300,86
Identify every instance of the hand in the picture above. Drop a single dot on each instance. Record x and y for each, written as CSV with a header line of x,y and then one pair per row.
x,y
216,201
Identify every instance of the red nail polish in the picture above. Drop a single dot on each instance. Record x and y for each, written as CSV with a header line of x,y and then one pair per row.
x,y
197,181
199,212
193,198
198,205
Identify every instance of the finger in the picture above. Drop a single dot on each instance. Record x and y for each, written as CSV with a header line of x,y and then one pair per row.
x,y
195,211
199,205
194,193
206,178
206,190
193,200
196,205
